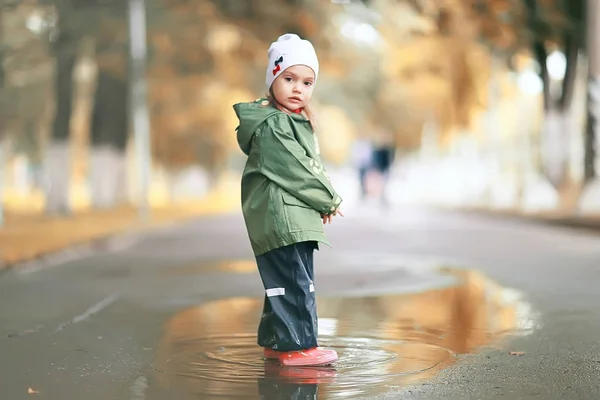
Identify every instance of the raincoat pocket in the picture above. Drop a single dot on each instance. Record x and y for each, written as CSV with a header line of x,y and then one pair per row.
x,y
292,200
299,215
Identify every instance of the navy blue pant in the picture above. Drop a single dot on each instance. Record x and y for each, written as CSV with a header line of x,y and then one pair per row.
x,y
289,317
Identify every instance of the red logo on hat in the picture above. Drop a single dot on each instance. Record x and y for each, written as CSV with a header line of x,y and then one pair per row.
x,y
277,66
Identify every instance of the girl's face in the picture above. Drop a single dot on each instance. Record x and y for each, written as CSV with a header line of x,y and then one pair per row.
x,y
293,87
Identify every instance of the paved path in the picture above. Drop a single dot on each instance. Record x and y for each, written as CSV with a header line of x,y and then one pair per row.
x,y
172,315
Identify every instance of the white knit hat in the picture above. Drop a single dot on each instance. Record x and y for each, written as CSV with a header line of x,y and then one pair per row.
x,y
287,51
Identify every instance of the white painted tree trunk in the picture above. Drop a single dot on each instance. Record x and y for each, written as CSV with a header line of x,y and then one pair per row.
x,y
555,148
538,190
107,176
57,174
589,202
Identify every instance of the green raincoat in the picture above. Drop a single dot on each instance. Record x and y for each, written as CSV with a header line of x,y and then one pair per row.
x,y
285,188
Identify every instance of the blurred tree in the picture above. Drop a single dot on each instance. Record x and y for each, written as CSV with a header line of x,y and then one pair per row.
x,y
384,64
2,80
558,24
505,28
210,55
592,46
2,114
65,52
24,66
105,23
25,69
64,49
427,68
110,115
540,27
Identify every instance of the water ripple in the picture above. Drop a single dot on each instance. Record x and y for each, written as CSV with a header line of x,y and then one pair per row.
x,y
384,343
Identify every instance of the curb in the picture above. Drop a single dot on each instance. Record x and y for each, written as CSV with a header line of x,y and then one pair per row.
x,y
94,246
589,223
77,251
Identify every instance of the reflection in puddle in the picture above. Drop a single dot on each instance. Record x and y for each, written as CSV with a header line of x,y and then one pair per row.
x,y
235,266
384,343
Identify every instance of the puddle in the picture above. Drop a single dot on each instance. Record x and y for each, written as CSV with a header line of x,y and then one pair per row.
x,y
384,343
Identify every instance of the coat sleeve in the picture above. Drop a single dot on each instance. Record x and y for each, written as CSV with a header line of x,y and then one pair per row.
x,y
285,162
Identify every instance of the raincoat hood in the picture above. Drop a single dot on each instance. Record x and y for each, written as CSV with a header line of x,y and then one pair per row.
x,y
251,116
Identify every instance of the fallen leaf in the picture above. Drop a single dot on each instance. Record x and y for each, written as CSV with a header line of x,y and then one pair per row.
x,y
516,353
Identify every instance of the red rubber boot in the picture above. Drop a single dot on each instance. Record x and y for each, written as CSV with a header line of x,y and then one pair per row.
x,y
310,357
271,354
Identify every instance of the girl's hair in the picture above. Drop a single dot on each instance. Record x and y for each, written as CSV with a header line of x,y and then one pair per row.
x,y
307,110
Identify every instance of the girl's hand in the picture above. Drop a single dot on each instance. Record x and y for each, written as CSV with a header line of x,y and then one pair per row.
x,y
327,218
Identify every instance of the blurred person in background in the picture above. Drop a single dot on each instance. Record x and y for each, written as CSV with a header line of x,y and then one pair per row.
x,y
362,159
287,197
383,159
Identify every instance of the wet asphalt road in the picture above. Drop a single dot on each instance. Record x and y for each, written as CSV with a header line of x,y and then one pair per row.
x,y
419,304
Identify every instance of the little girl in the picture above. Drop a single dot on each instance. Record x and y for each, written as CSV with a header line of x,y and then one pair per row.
x,y
286,199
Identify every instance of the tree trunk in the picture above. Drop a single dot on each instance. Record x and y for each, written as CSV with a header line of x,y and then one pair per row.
x,y
589,201
1,73
554,140
572,46
558,115
541,55
2,118
593,119
593,108
554,145
57,156
109,140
